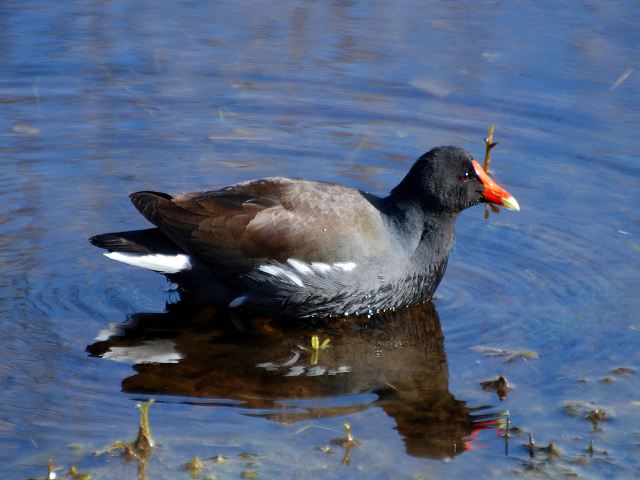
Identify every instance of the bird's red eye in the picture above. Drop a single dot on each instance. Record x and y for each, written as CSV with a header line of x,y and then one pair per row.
x,y
465,177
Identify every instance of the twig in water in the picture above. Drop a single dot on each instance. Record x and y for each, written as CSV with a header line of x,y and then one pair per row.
x,y
489,145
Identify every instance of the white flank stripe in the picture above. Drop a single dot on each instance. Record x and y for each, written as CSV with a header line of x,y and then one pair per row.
x,y
294,278
345,266
281,272
157,262
271,270
301,267
321,267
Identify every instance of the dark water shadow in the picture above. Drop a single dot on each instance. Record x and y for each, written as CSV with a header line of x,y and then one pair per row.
x,y
270,366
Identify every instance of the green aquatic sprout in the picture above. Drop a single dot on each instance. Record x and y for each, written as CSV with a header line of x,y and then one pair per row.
x,y
551,450
531,446
140,449
144,441
51,469
316,345
596,416
194,467
587,411
348,434
74,474
348,442
316,348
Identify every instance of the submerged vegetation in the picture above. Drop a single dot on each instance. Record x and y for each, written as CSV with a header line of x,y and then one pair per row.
x,y
499,384
510,355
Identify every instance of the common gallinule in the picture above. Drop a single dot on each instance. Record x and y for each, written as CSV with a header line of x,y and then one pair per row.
x,y
299,248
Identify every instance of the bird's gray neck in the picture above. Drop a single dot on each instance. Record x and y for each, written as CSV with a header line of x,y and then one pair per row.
x,y
425,235
436,240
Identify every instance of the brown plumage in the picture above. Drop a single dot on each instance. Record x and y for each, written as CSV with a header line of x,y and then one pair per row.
x,y
239,227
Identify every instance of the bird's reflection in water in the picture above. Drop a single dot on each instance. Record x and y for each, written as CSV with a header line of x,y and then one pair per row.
x,y
269,365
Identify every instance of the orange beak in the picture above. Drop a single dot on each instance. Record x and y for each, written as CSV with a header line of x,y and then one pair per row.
x,y
494,193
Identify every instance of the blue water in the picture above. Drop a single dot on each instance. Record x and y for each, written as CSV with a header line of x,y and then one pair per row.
x,y
100,99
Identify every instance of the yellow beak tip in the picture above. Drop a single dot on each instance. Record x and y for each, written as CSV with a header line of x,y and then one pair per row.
x,y
511,203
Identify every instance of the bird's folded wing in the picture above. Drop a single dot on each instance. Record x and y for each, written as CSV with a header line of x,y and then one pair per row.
x,y
237,228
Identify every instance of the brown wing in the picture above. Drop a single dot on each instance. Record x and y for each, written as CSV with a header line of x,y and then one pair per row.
x,y
239,227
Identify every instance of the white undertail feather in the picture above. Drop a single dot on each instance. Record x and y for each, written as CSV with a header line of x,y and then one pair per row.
x,y
149,351
157,262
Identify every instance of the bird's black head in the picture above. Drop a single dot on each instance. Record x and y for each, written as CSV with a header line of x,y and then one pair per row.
x,y
448,180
